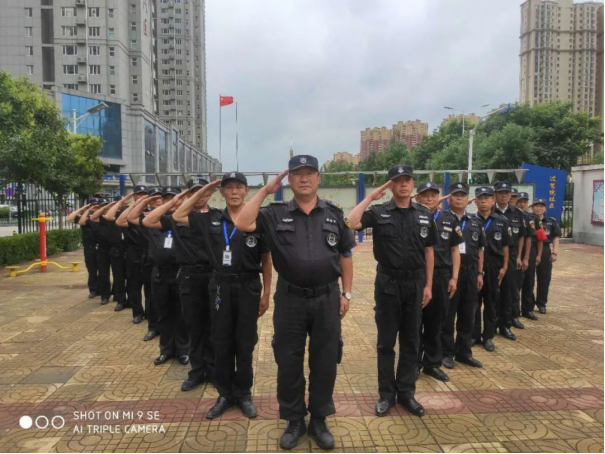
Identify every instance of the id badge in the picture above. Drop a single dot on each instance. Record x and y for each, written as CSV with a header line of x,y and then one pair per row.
x,y
168,243
227,258
462,247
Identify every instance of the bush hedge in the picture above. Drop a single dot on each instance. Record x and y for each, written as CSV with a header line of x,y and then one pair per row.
x,y
21,248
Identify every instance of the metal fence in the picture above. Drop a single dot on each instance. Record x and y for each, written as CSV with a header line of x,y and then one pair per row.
x,y
20,204
567,214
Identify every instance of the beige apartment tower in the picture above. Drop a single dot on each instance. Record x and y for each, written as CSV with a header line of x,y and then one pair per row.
x,y
558,53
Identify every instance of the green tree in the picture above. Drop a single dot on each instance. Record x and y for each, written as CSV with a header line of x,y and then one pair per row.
x,y
338,180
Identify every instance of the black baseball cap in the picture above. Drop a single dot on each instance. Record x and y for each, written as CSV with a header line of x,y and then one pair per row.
x,y
458,187
196,182
484,190
140,189
103,201
523,196
117,198
400,170
503,186
515,192
155,191
428,186
303,160
539,201
94,201
234,176
170,190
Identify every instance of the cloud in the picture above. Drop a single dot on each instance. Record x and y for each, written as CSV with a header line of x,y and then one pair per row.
x,y
322,71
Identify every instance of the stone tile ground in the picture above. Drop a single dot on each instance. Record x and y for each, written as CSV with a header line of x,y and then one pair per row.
x,y
62,354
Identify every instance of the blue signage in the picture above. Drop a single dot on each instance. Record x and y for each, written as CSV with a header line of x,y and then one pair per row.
x,y
550,185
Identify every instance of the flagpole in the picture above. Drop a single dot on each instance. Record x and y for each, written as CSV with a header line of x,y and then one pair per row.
x,y
236,141
220,115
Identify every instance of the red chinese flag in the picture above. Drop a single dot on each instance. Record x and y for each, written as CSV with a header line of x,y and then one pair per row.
x,y
226,100
541,234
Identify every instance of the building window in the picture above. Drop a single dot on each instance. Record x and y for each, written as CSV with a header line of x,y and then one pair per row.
x,y
133,43
179,62
29,31
112,89
165,72
135,97
179,92
95,88
95,69
110,13
133,61
70,50
177,31
29,70
165,31
111,33
93,12
179,41
133,26
70,69
135,80
179,51
68,12
29,50
94,31
94,50
70,86
165,41
112,51
133,7
165,52
29,12
112,70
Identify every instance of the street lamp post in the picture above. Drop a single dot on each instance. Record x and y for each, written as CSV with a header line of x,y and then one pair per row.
x,y
463,114
77,120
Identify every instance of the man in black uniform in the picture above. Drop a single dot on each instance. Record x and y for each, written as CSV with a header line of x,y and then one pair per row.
x,y
533,247
101,248
311,248
89,243
193,279
166,298
549,253
498,238
237,258
470,282
404,234
445,280
508,289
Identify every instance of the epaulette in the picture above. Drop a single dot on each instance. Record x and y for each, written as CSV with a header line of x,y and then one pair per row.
x,y
551,218
499,217
448,213
420,206
334,204
278,202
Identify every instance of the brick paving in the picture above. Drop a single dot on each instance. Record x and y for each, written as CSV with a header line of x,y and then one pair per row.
x,y
62,354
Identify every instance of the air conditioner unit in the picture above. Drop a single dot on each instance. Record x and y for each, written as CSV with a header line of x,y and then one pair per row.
x,y
80,2
81,78
81,59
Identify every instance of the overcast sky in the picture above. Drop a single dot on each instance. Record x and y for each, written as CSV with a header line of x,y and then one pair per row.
x,y
321,71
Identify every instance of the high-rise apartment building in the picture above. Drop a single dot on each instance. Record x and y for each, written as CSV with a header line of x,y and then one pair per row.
x,y
558,52
410,133
599,78
145,59
374,139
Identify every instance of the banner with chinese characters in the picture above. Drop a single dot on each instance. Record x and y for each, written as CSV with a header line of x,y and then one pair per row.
x,y
550,185
596,216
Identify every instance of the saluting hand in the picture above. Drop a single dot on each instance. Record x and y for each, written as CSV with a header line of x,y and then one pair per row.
x,y
178,199
207,190
344,307
272,186
445,197
379,193
471,200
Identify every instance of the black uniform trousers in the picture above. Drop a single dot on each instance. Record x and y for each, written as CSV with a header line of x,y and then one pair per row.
x,y
151,309
195,302
544,276
173,332
235,301
430,352
103,265
508,289
489,297
135,260
117,255
90,259
528,300
463,305
295,317
398,313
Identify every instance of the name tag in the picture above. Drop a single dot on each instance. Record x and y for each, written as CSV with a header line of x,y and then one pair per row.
x,y
462,247
227,258
423,221
168,243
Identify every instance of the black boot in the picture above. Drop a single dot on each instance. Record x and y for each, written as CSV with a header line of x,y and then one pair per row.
x,y
448,362
517,324
318,431
436,373
292,434
382,407
221,406
247,406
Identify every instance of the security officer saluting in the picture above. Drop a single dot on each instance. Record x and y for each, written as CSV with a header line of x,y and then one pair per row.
x,y
550,253
311,248
89,243
404,235
102,247
533,246
445,280
470,282
508,289
237,258
498,238
193,279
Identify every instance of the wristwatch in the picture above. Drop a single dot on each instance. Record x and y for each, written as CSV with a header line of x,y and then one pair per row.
x,y
481,273
347,295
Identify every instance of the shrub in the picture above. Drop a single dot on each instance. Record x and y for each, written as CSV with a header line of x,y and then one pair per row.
x,y
25,247
4,213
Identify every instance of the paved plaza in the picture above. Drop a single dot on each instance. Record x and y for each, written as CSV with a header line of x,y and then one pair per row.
x,y
68,359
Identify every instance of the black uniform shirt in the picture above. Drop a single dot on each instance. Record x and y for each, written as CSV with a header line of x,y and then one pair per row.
x,y
115,234
162,256
400,234
100,233
190,249
135,234
530,225
88,237
474,239
448,236
306,248
246,248
551,228
497,234
517,226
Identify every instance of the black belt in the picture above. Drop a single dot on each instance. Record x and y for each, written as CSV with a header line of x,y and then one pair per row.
x,y
442,271
235,278
308,292
197,268
168,268
464,266
400,274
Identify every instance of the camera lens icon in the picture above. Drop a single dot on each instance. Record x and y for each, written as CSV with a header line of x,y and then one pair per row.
x,y
42,422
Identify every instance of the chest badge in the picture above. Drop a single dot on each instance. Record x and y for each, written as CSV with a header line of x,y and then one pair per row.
x,y
251,241
424,232
287,220
515,230
331,238
385,215
497,236
445,235
475,236
216,223
547,231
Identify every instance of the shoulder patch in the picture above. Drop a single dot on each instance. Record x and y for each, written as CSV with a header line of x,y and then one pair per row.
x,y
334,204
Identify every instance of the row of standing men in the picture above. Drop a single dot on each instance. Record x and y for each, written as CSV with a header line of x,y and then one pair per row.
x,y
200,267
